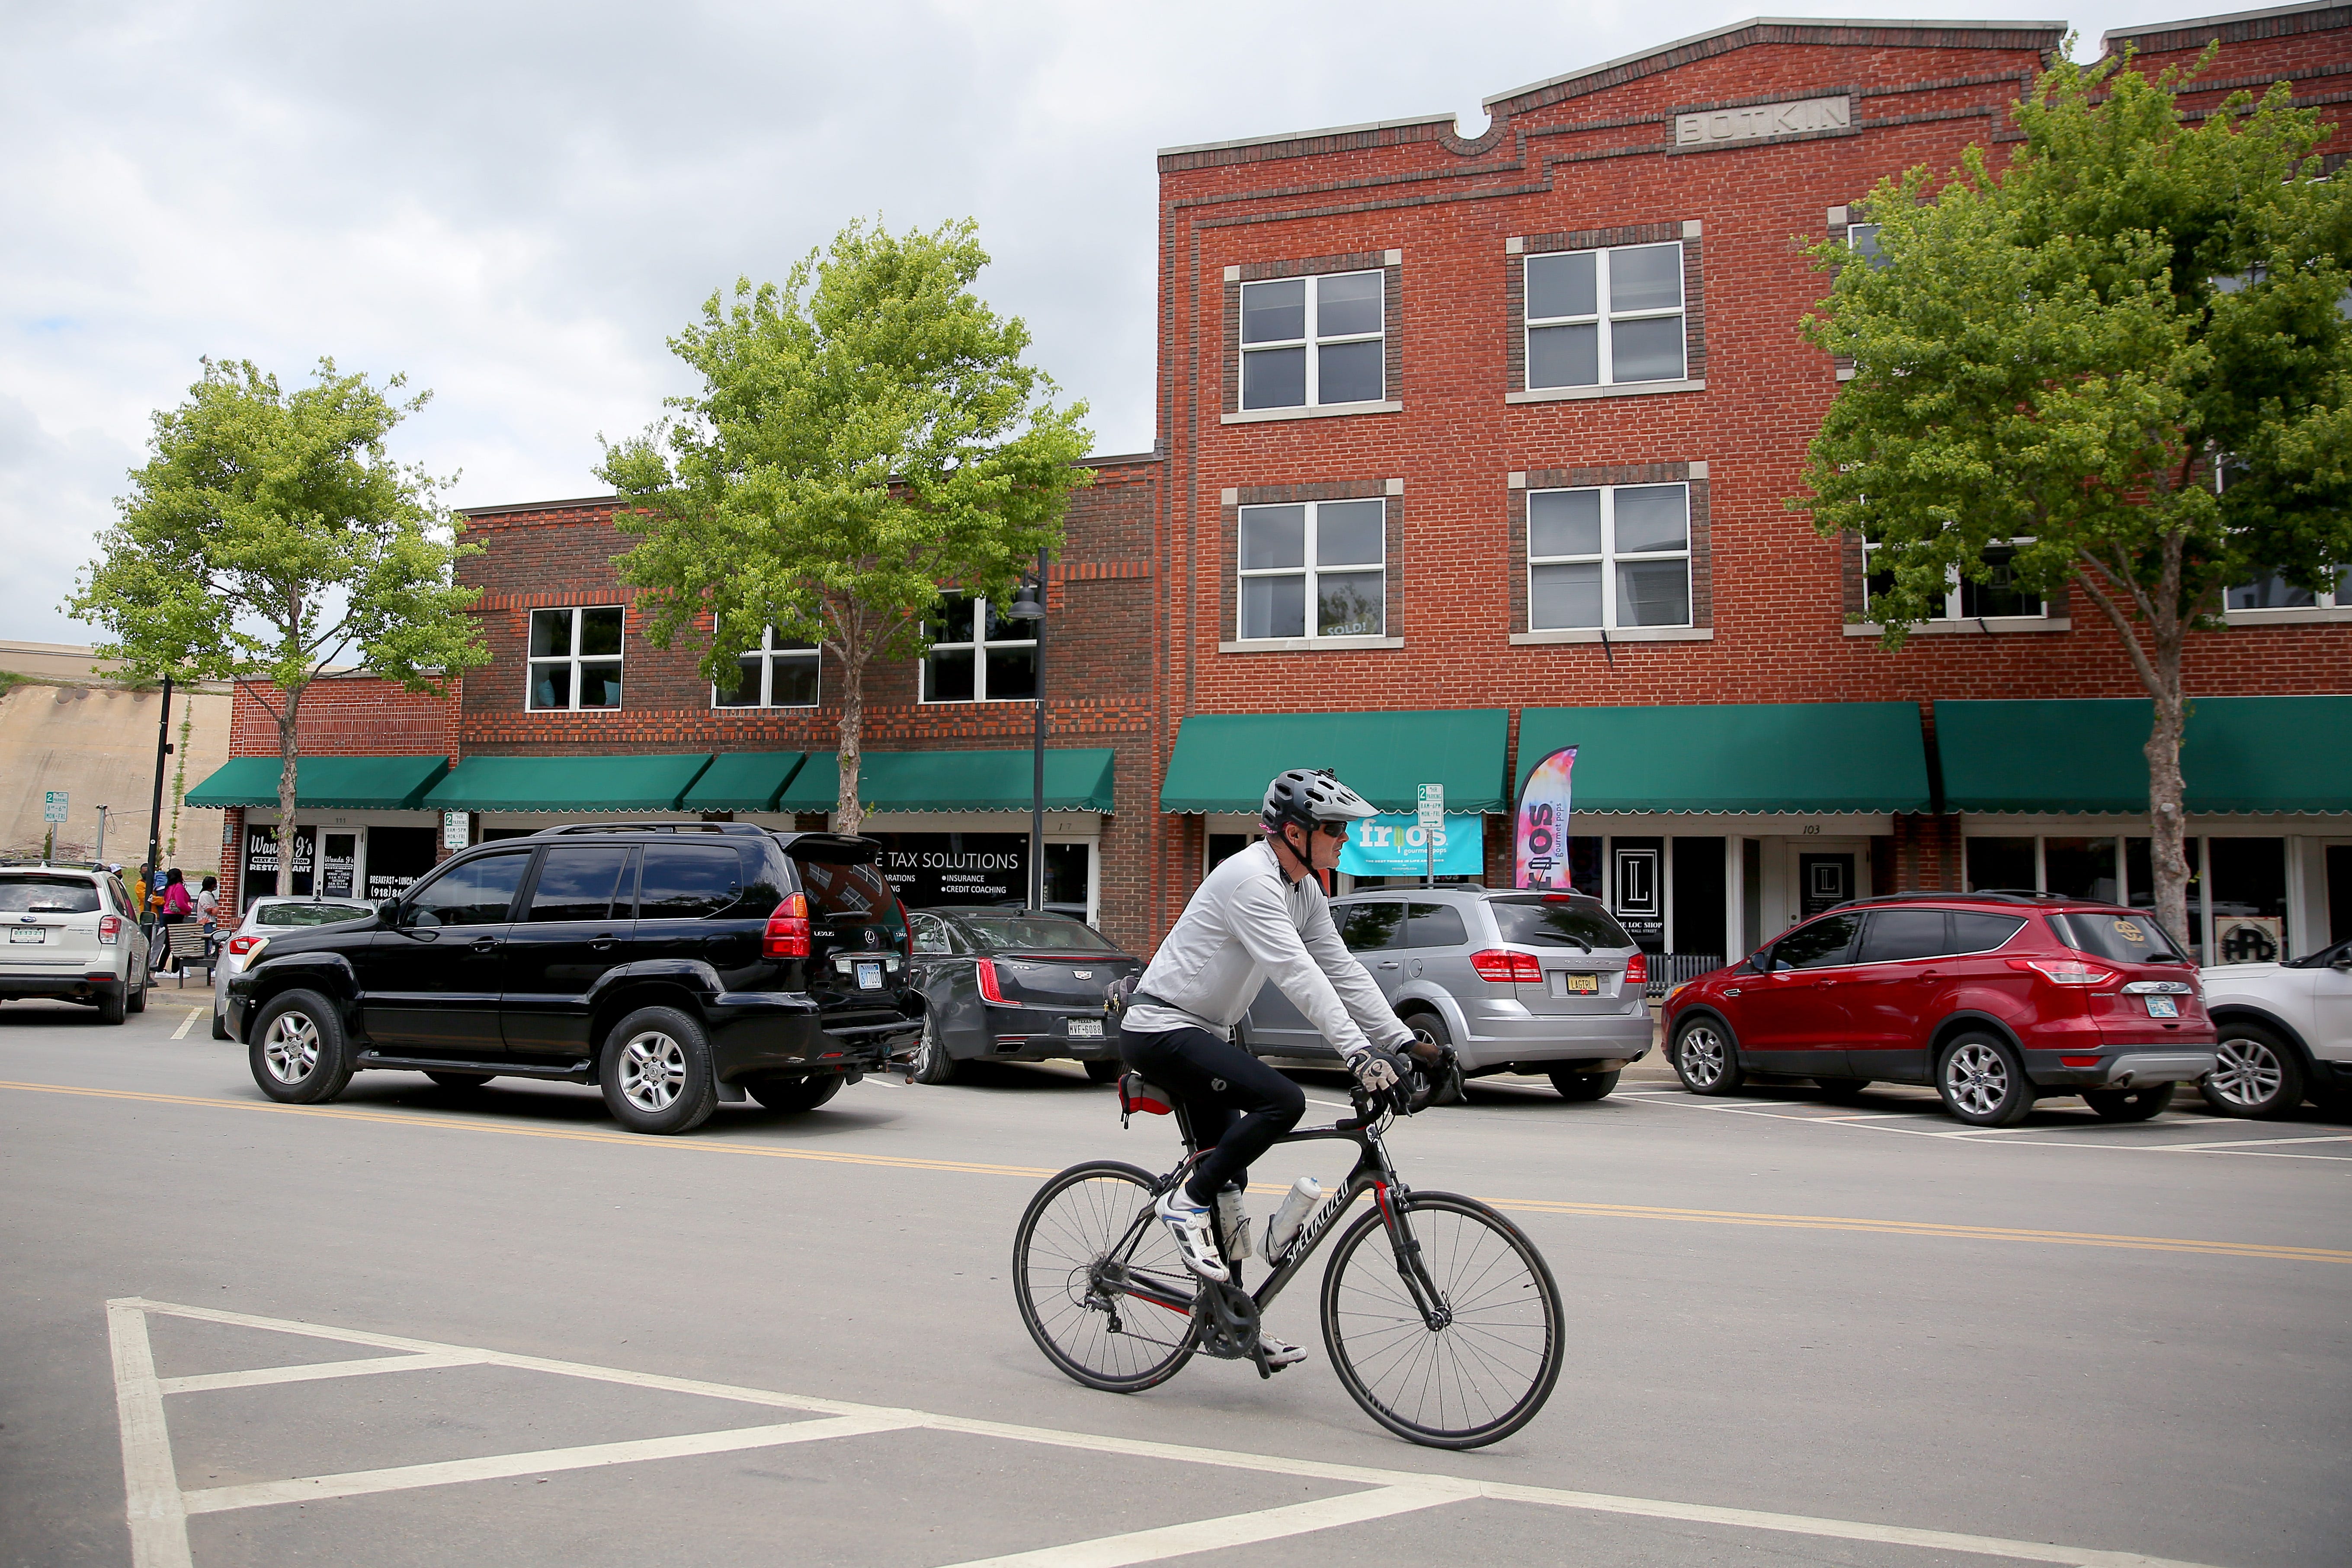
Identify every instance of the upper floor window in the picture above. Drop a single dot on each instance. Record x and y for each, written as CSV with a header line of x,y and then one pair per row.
x,y
2274,591
977,655
1862,239
575,658
1600,318
1308,341
1999,597
779,674
1612,557
1315,569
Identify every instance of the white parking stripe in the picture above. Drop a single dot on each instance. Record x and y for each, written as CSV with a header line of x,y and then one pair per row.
x,y
546,1461
1214,1534
185,1025
311,1371
151,1485
2242,1142
137,1372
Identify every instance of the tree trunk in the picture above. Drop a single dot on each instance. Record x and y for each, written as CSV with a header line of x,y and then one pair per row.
x,y
2167,848
853,723
286,751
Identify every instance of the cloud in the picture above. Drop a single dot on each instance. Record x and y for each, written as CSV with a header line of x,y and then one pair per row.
x,y
515,204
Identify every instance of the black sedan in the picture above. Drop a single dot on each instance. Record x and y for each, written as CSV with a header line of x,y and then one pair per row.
x,y
1014,986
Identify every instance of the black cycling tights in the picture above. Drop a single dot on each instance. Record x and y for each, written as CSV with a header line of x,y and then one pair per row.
x,y
1215,1078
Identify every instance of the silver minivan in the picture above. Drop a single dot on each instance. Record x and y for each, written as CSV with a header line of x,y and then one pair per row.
x,y
1515,982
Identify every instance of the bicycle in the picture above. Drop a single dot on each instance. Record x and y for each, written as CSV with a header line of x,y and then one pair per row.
x,y
1458,1348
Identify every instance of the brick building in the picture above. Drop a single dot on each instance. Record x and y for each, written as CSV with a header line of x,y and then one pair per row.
x,y
1472,448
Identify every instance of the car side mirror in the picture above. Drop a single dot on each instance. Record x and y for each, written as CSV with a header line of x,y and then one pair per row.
x,y
2344,963
388,911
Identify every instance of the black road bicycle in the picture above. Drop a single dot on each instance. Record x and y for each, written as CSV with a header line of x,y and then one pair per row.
x,y
1449,1334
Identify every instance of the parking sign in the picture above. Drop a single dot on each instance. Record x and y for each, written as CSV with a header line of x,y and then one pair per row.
x,y
53,808
1433,806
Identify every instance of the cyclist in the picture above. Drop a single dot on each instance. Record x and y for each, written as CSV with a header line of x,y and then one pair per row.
x,y
1261,915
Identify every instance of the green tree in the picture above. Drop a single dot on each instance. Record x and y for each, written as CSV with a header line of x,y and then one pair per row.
x,y
2076,350
269,534
867,434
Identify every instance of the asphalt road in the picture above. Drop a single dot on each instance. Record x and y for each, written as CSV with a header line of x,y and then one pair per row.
x,y
1798,1332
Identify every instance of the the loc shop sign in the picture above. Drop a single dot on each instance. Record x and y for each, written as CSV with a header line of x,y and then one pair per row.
x,y
1759,122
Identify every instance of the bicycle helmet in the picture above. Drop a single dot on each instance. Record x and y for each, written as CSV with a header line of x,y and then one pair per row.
x,y
1309,795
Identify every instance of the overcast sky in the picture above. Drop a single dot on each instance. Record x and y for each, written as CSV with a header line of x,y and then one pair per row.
x,y
516,203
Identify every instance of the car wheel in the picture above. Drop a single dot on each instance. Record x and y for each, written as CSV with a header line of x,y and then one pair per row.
x,y
1431,1035
460,1079
1705,1057
298,1054
2130,1104
1105,1071
657,1076
1983,1083
113,1007
795,1094
2254,1073
220,1027
932,1063
1583,1084
1842,1090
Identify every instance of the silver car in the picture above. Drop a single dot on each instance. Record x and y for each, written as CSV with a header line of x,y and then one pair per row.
x,y
1515,982
263,917
72,935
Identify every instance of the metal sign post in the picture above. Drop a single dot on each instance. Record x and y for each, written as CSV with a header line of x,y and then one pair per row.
x,y
1432,819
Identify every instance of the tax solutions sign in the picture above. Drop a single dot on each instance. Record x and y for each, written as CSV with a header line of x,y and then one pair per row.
x,y
1394,843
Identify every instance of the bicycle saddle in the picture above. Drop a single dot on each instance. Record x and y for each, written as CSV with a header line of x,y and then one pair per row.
x,y
1138,1094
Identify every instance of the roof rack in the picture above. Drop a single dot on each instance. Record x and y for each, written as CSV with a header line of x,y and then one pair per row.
x,y
1986,895
734,827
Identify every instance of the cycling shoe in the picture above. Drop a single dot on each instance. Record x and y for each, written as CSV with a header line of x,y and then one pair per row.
x,y
1189,1225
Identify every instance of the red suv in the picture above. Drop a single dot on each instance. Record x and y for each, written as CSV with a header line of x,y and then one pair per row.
x,y
1995,998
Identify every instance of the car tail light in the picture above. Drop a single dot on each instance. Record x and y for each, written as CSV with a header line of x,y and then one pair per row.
x,y
990,991
245,946
2065,971
787,935
1505,967
110,930
2078,1061
1637,969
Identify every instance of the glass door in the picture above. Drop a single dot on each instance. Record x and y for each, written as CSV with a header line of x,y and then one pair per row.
x,y
339,872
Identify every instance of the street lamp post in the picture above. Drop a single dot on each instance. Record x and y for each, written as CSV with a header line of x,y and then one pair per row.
x,y
1029,607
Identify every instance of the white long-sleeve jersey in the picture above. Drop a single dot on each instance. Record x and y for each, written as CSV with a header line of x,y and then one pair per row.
x,y
1247,924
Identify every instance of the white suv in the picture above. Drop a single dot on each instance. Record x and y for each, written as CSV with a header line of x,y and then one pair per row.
x,y
71,935
2285,1034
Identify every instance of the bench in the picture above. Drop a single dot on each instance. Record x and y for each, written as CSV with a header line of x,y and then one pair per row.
x,y
186,939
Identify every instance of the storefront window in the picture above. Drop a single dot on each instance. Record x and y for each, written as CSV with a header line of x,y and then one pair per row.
x,y
2079,868
2140,877
2001,865
2248,900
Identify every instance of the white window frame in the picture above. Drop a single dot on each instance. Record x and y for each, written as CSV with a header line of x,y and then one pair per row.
x,y
1310,572
2328,600
1854,233
1312,343
978,648
1952,593
1608,558
769,652
533,663
1602,316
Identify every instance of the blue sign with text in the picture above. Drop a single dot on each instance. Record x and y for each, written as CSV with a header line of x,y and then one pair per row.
x,y
1394,845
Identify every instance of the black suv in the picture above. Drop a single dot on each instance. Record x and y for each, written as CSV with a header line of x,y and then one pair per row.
x,y
673,964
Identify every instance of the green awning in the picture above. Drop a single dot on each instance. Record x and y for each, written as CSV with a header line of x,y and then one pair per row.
x,y
1735,757
1223,761
568,783
324,784
2085,754
1077,779
743,781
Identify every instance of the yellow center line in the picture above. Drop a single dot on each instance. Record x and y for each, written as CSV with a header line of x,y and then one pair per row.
x,y
2277,1252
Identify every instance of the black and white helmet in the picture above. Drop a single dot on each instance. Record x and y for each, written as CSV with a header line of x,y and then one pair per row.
x,y
1309,795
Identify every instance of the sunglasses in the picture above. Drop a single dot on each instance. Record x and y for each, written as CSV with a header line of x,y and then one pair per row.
x,y
1336,829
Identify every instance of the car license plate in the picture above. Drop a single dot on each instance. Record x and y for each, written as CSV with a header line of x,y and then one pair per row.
x,y
1566,985
1086,1028
2163,1007
870,977
30,933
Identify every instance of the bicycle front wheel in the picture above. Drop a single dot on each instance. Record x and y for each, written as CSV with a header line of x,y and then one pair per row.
x,y
1096,1278
1489,1363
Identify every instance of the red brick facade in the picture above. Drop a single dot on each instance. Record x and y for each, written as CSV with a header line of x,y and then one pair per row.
x,y
1143,600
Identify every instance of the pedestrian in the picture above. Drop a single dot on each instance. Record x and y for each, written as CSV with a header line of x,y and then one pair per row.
x,y
174,907
208,911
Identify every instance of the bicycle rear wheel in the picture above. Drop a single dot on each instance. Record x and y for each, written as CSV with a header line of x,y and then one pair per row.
x,y
1489,1366
1079,1246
